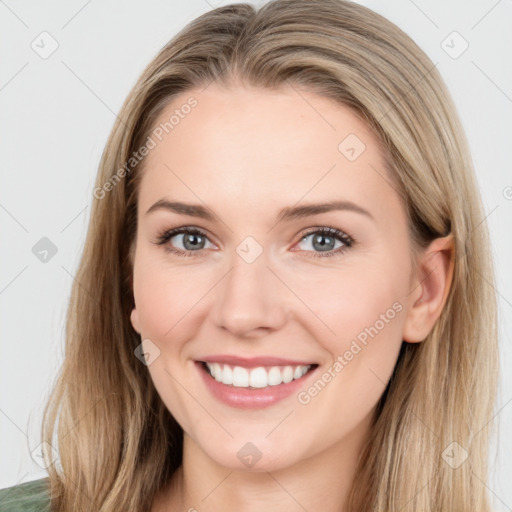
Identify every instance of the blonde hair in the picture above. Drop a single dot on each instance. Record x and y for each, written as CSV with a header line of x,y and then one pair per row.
x,y
118,443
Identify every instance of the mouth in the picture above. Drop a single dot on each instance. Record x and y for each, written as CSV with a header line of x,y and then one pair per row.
x,y
259,377
256,383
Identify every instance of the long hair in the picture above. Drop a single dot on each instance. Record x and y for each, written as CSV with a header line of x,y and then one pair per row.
x,y
118,443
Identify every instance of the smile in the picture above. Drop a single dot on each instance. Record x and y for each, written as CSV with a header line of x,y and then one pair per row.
x,y
253,383
260,377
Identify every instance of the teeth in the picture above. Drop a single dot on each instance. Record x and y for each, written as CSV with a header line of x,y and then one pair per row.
x,y
255,377
258,378
227,375
240,377
287,374
274,376
217,372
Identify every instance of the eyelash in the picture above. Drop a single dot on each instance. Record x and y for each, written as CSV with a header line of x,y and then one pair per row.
x,y
347,240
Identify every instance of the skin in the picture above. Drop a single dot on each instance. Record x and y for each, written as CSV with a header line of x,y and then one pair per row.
x,y
246,153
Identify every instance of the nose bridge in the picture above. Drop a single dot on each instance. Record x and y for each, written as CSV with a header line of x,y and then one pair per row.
x,y
249,298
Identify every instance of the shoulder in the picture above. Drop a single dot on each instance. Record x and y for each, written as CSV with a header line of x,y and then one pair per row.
x,y
27,497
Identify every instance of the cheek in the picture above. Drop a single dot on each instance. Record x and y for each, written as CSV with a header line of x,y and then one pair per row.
x,y
165,296
362,315
347,302
170,311
366,312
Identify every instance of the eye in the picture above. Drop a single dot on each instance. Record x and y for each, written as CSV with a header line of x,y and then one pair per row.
x,y
324,242
184,241
321,242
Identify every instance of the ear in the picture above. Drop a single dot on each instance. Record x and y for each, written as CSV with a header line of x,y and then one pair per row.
x,y
134,317
429,289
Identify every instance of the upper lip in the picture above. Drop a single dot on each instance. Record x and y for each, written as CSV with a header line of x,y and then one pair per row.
x,y
253,362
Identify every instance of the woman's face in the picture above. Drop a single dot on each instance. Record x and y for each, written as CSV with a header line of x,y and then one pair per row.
x,y
289,274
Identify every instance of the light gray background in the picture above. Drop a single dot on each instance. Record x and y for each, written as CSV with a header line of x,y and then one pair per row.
x,y
58,111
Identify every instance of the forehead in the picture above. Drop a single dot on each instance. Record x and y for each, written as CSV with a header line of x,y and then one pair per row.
x,y
262,147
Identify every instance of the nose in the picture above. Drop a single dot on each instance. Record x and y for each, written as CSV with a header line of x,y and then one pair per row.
x,y
250,301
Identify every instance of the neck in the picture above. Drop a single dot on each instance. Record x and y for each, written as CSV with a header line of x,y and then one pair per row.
x,y
320,482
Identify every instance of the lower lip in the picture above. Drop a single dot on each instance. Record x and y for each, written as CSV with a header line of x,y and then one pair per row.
x,y
250,398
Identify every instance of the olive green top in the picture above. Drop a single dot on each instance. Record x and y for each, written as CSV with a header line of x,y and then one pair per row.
x,y
28,497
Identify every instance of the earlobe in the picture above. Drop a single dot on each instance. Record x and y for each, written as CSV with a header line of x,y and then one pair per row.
x,y
134,318
430,289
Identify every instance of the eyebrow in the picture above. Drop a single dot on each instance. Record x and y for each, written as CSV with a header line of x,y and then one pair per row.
x,y
288,213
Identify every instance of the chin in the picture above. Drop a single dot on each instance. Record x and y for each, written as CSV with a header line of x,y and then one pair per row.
x,y
254,454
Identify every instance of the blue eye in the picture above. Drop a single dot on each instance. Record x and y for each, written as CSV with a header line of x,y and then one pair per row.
x,y
191,239
323,242
326,242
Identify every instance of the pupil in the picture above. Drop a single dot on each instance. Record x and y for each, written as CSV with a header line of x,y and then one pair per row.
x,y
319,242
192,241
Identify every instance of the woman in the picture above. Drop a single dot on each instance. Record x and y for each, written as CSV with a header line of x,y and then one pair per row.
x,y
280,303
